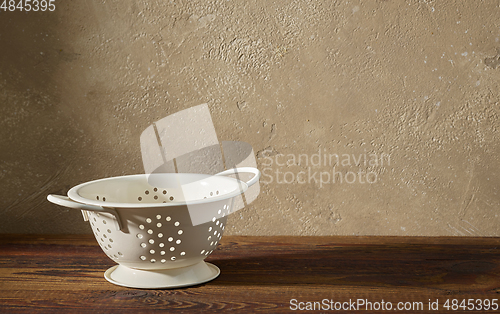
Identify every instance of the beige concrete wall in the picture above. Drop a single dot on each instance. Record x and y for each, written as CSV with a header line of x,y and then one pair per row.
x,y
413,82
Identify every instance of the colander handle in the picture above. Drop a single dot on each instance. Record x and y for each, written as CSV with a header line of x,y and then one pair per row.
x,y
250,182
67,202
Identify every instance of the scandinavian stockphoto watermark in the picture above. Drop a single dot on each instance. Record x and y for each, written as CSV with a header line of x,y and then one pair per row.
x,y
186,142
322,168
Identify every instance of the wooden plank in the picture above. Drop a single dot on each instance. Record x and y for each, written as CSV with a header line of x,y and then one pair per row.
x,y
259,274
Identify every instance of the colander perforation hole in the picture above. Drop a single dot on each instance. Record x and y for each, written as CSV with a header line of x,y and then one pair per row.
x,y
163,260
120,253
173,258
202,252
155,189
172,249
164,191
180,232
183,253
98,230
150,231
143,245
159,225
139,198
105,236
177,224
155,197
110,240
109,230
97,197
211,193
148,220
139,236
178,241
151,241
141,227
95,219
104,222
151,251
168,218
219,211
153,260
104,199
158,217
109,245
160,235
162,252
209,229
161,244
170,239
143,257
146,192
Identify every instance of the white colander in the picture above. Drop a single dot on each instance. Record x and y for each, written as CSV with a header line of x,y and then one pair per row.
x,y
149,230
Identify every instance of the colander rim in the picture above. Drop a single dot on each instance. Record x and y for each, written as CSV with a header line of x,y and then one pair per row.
x,y
73,193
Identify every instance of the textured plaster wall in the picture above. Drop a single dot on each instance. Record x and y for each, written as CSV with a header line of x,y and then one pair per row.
x,y
417,81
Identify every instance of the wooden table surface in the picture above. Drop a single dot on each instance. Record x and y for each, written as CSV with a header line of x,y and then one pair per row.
x,y
260,274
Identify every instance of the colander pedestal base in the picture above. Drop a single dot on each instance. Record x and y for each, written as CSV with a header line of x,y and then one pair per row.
x,y
162,279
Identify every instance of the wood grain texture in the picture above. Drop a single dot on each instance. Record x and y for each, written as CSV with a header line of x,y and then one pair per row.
x,y
64,274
